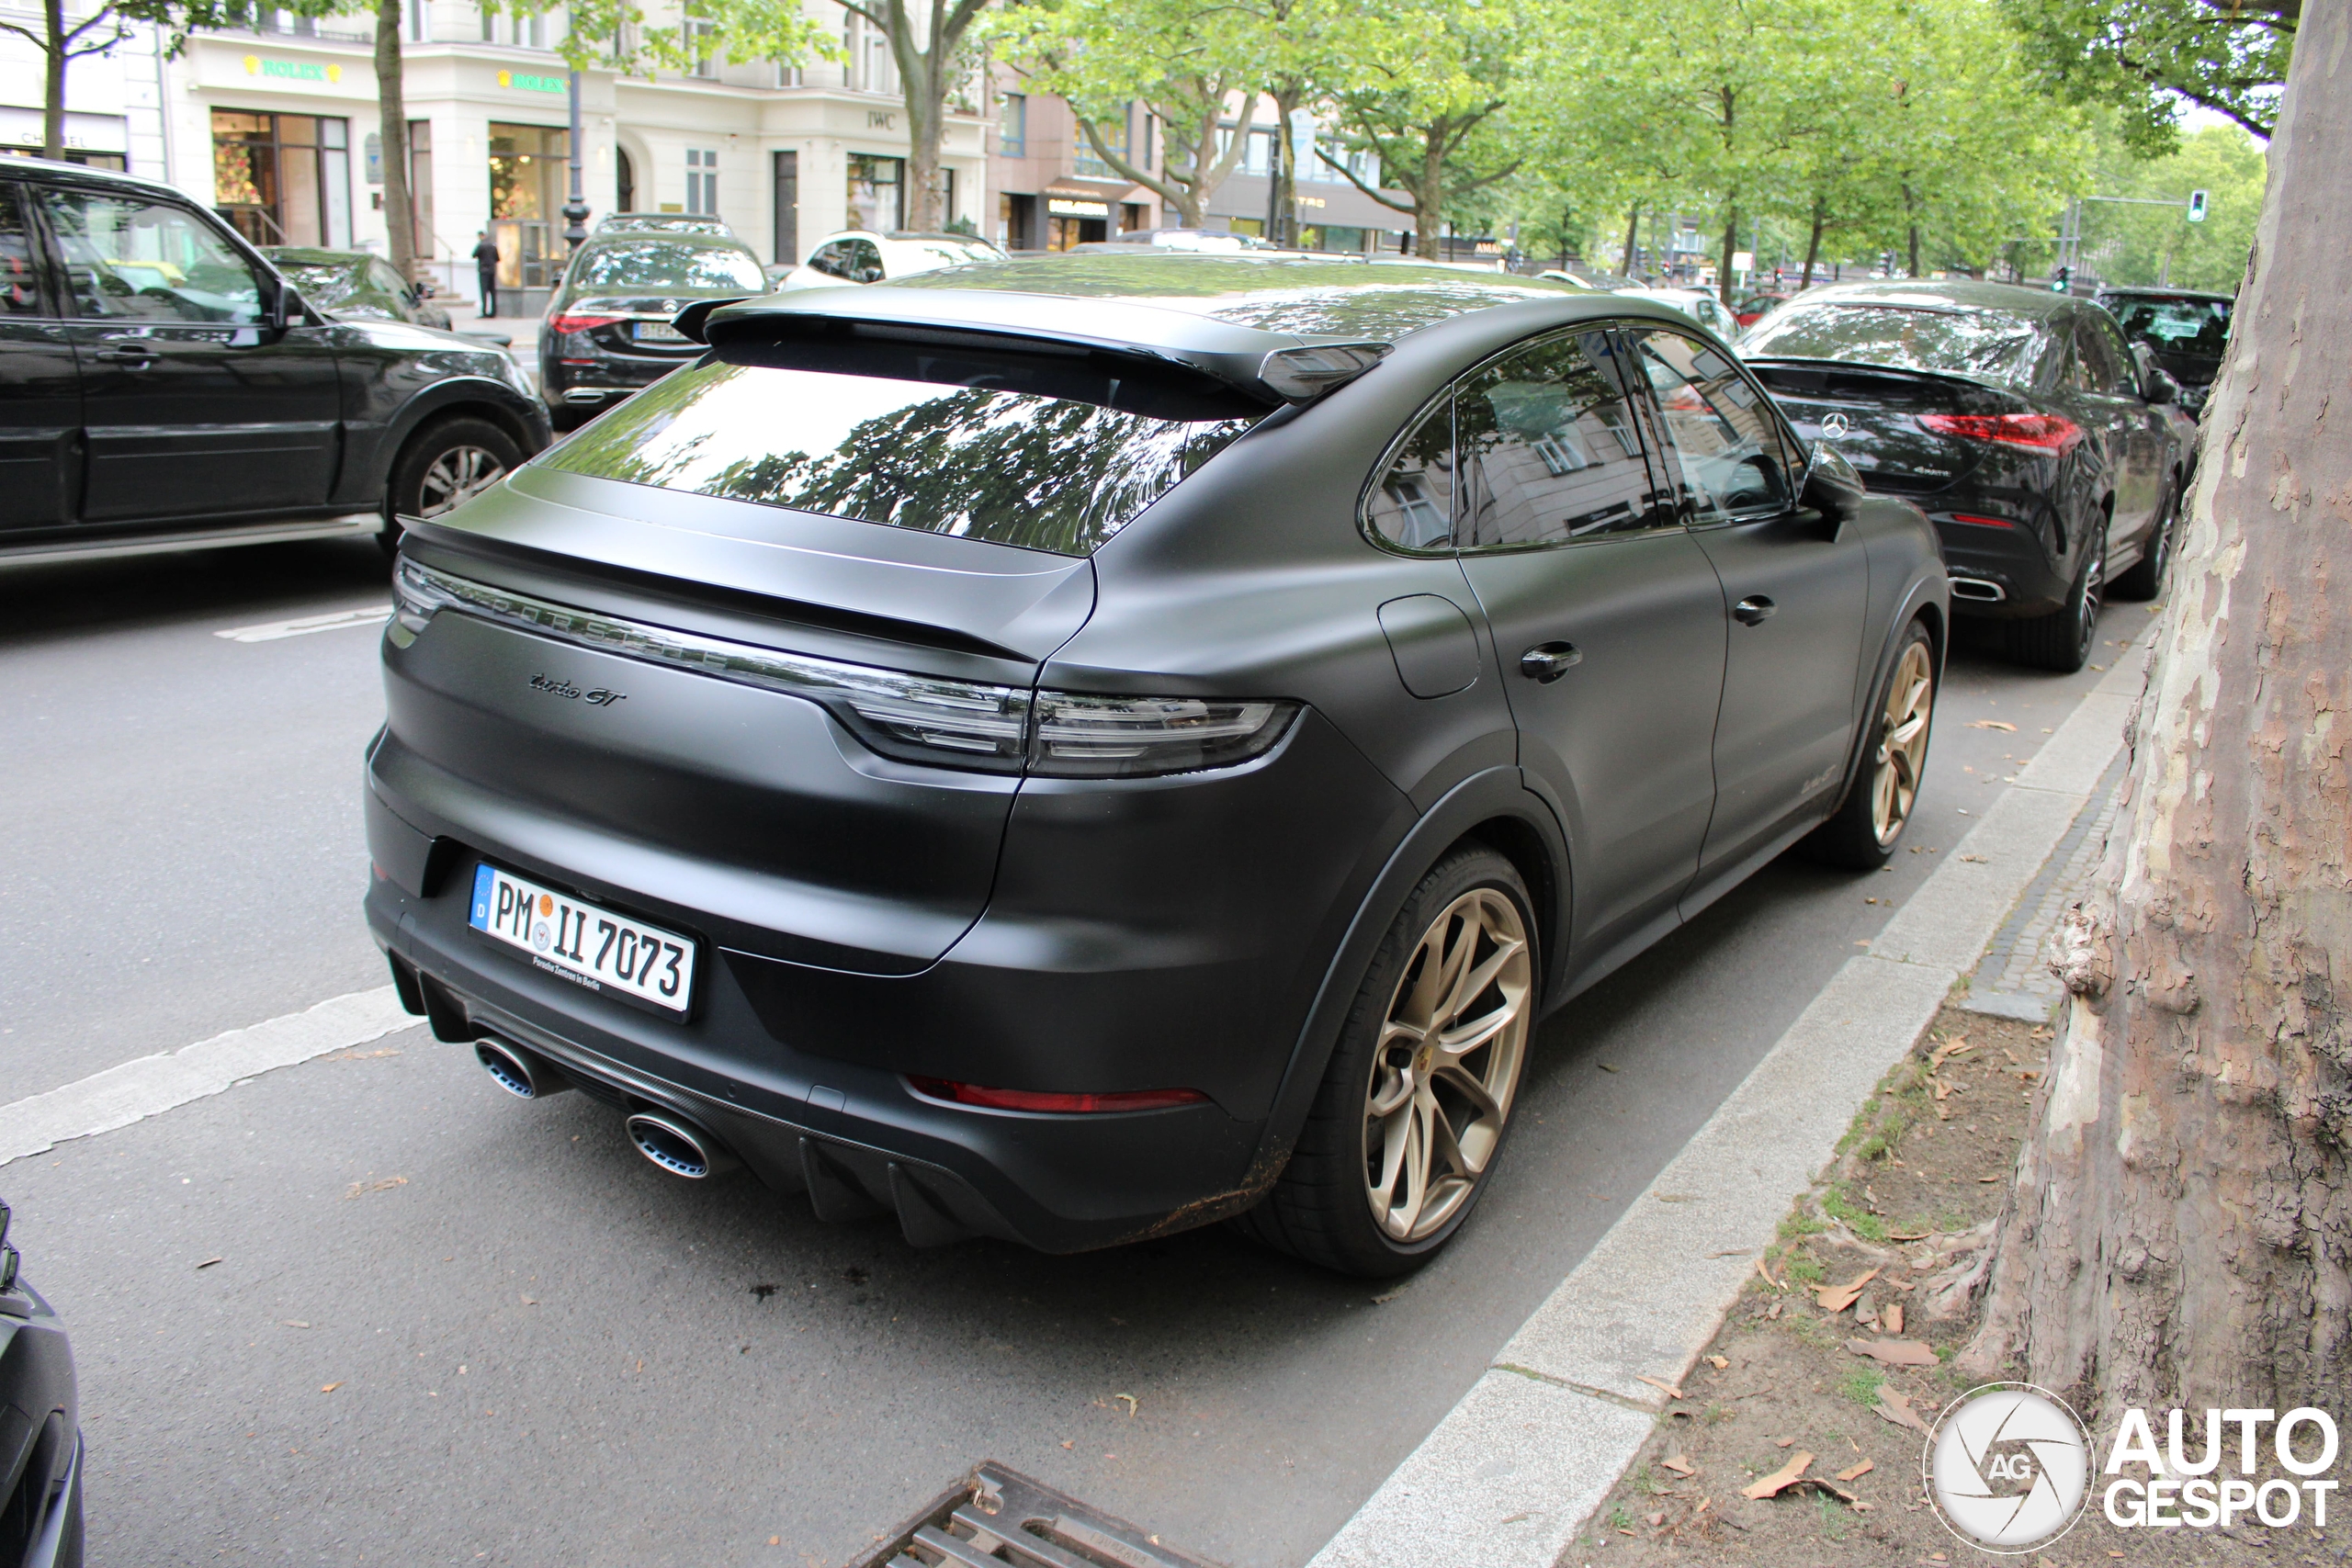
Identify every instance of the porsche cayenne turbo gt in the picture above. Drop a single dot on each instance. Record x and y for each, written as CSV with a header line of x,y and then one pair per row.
x,y
1074,749
2052,463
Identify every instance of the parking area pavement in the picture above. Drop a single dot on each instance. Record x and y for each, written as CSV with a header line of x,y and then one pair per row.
x,y
445,1325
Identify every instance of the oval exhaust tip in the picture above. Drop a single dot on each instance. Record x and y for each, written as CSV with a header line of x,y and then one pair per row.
x,y
676,1146
517,1071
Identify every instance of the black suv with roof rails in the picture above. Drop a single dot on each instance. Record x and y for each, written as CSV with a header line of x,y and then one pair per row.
x,y
162,386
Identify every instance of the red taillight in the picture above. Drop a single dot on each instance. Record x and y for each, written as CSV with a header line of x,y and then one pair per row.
x,y
1032,1100
580,324
1982,522
2042,431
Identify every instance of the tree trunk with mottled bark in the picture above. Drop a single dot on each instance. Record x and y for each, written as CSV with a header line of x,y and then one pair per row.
x,y
2180,1228
392,100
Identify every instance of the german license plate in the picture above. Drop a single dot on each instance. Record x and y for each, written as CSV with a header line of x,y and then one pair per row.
x,y
585,944
658,331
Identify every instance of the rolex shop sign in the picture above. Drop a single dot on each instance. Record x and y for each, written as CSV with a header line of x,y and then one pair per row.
x,y
523,82
322,72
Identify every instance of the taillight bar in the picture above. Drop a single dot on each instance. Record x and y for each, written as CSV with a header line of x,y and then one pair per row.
x,y
2049,432
570,324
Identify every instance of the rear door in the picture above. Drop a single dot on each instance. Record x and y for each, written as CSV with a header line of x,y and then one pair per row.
x,y
192,405
1793,596
1606,613
2105,388
40,392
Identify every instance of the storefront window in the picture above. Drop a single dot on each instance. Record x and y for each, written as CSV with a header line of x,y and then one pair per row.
x,y
283,179
527,181
877,193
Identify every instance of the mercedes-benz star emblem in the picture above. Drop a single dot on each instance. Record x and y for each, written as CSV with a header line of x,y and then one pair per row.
x,y
1835,426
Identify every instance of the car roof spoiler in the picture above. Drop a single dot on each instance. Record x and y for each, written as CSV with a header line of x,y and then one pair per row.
x,y
1273,368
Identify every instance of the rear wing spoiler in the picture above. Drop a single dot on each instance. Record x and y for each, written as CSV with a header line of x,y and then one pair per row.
x,y
1265,367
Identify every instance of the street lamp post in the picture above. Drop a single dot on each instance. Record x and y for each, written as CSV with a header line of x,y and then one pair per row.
x,y
575,211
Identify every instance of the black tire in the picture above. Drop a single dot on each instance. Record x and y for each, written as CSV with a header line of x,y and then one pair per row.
x,y
1851,839
1321,1208
2063,640
463,451
2145,580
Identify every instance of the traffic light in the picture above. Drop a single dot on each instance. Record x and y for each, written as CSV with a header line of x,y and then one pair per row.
x,y
2061,280
2197,207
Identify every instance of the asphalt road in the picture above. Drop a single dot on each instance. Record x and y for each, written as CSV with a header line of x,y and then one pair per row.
x,y
450,1327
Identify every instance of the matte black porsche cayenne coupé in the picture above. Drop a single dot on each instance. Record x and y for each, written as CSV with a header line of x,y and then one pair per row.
x,y
2020,421
1076,748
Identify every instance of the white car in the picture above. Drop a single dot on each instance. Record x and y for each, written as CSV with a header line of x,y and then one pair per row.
x,y
859,256
1700,304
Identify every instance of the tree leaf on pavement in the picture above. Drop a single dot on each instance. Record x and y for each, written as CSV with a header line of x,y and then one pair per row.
x,y
1894,1352
1779,1480
1992,724
1672,1392
1837,1298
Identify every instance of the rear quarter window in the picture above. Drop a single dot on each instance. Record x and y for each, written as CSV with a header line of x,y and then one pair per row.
x,y
1010,467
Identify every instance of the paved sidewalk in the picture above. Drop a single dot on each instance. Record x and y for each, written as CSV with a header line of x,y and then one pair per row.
x,y
1516,1469
2013,980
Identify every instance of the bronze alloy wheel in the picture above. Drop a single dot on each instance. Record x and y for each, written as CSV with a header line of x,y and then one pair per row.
x,y
1447,1065
1901,742
456,476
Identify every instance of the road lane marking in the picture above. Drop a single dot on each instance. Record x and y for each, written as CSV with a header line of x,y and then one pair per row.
x,y
303,626
152,1085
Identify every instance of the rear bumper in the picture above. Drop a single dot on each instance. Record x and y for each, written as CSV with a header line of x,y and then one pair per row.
x,y
1157,937
1999,573
609,379
853,1138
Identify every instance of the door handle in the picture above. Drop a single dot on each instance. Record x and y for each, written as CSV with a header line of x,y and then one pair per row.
x,y
1546,662
1754,610
134,356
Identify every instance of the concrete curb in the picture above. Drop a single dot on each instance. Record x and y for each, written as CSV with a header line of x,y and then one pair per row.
x,y
1518,1467
151,1085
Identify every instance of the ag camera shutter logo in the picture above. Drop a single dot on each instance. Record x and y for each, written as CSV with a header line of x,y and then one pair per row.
x,y
2008,1467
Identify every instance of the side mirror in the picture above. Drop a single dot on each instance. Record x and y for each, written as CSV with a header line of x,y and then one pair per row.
x,y
1831,491
285,309
2157,388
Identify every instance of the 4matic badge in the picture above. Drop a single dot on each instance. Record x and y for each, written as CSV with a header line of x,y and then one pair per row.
x,y
559,687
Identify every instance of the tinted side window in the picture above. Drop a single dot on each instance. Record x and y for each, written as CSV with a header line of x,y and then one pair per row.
x,y
2096,366
1412,504
130,259
832,260
19,261
1550,445
1726,457
864,262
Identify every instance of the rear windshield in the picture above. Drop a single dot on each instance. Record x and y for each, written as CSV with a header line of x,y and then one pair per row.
x,y
1044,473
2177,326
668,263
1994,344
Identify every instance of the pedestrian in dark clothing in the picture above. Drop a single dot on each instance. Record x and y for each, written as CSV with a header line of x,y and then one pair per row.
x,y
486,270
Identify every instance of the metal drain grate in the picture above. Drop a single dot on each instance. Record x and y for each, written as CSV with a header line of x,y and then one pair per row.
x,y
997,1518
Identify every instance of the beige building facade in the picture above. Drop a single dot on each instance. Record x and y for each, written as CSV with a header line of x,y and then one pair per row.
x,y
276,128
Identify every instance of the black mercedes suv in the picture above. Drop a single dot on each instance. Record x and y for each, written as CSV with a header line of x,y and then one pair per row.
x,y
161,386
1075,748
